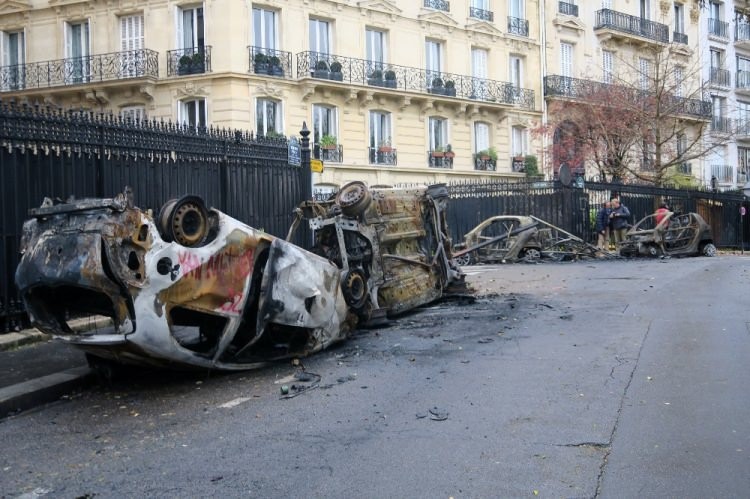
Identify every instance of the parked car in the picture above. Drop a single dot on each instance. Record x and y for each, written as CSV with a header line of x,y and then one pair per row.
x,y
196,288
676,235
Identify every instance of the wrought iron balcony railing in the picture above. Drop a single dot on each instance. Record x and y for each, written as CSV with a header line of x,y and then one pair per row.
x,y
517,26
568,9
270,62
382,156
720,77
721,124
625,23
680,38
142,63
189,61
724,173
378,74
685,168
440,159
484,163
718,28
742,32
742,80
742,128
444,5
332,154
484,15
578,88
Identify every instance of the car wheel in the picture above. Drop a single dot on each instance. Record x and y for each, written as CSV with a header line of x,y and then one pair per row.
x,y
709,249
354,288
653,251
354,198
462,260
532,255
184,221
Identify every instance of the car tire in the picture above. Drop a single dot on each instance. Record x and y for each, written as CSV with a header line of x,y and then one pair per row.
x,y
653,251
708,249
354,288
532,255
353,198
184,221
463,260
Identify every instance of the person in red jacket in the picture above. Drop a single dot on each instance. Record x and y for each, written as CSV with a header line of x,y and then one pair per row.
x,y
661,212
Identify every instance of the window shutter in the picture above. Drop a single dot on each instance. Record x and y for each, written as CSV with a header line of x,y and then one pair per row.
x,y
566,56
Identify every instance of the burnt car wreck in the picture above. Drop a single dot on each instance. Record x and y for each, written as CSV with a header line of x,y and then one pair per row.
x,y
193,287
684,234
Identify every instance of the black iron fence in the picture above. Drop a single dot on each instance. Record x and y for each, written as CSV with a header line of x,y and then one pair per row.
x,y
52,153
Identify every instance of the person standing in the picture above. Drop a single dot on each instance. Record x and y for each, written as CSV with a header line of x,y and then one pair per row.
x,y
602,226
661,212
619,217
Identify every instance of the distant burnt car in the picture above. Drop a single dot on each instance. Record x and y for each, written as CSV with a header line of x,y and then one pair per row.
x,y
196,288
675,235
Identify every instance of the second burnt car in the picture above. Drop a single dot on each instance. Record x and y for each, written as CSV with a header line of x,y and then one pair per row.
x,y
684,234
196,288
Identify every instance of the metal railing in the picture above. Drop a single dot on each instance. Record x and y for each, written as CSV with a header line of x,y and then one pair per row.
x,y
484,163
685,168
721,124
443,5
578,88
568,9
742,32
518,26
189,61
625,23
724,173
333,154
379,74
718,28
680,38
382,156
270,62
484,15
440,159
721,77
742,129
142,63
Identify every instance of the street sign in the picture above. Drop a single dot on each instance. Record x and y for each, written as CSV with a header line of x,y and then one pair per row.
x,y
294,152
316,166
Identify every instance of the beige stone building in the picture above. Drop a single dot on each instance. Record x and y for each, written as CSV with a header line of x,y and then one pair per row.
x,y
394,91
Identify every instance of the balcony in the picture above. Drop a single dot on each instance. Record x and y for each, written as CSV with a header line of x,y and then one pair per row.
x,y
484,163
742,129
580,89
742,81
517,26
720,77
403,78
443,5
742,33
567,9
484,15
440,159
114,66
189,61
382,156
270,62
619,23
684,168
718,29
724,173
719,124
331,154
678,37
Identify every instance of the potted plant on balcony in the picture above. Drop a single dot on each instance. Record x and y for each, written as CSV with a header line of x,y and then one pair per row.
x,y
437,87
199,62
328,141
321,70
449,152
184,66
260,63
438,152
375,78
274,66
385,146
336,73
390,78
450,88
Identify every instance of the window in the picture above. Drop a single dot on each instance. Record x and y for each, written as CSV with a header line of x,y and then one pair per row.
x,y
679,18
679,81
566,59
644,68
607,66
645,9
192,112
268,117
714,11
77,51
438,133
324,122
743,118
190,29
606,4
481,136
375,46
516,9
433,60
131,40
516,71
133,113
716,59
479,73
264,28
743,72
320,40
381,147
681,140
14,58
519,144
743,154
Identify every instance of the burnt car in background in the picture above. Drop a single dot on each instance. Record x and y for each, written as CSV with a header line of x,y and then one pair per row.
x,y
196,288
675,235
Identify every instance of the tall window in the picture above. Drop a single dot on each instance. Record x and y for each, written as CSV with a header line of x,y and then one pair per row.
x,y
606,4
743,156
516,71
679,18
131,39
644,68
14,57
320,36
190,28
743,118
566,59
375,46
481,136
679,83
380,128
268,117
645,9
77,51
438,133
433,60
479,73
133,113
607,66
264,28
743,72
324,122
515,8
192,112
519,139
716,59
714,11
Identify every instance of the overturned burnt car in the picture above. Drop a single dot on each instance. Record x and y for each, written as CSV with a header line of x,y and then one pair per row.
x,y
684,234
194,287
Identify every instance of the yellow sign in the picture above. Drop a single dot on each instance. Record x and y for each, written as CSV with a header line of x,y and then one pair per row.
x,y
316,165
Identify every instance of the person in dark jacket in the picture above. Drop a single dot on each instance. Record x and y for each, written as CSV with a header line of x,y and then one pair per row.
x,y
620,218
602,226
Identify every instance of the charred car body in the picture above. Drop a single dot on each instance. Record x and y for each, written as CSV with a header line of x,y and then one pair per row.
x,y
674,235
192,287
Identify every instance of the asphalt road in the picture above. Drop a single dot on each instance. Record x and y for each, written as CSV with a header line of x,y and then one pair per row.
x,y
592,379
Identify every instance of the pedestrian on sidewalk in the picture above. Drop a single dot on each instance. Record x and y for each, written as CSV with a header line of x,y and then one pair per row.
x,y
602,226
620,218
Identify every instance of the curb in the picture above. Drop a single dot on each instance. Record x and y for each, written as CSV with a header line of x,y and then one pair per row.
x,y
23,396
11,341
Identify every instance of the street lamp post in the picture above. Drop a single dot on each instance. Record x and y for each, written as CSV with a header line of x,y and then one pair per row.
x,y
746,192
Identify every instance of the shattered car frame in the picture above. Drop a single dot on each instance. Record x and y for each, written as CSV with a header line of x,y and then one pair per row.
x,y
195,288
675,235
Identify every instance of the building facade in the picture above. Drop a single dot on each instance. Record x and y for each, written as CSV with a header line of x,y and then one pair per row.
x,y
419,91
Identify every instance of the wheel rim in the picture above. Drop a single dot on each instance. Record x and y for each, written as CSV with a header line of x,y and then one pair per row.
x,y
532,254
